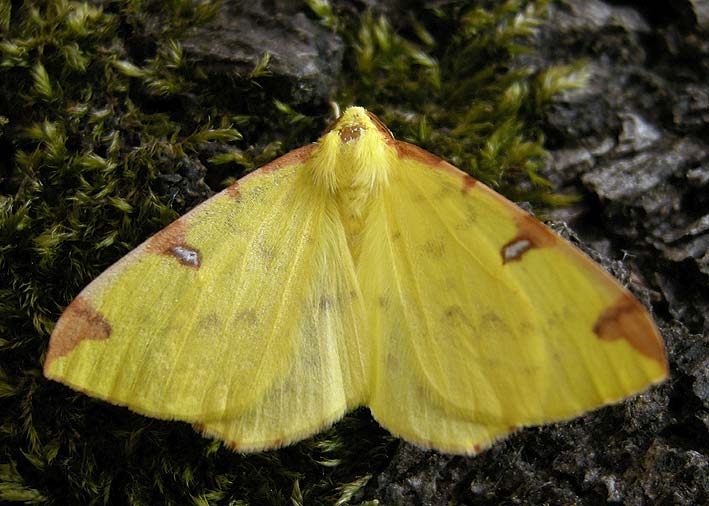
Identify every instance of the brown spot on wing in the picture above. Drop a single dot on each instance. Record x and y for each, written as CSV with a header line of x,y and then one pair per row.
x,y
209,321
247,317
490,321
393,362
468,182
530,234
186,256
233,191
435,248
627,319
456,317
80,321
171,241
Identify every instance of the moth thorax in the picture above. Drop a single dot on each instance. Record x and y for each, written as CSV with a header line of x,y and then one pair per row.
x,y
356,166
354,219
351,166
363,174
354,198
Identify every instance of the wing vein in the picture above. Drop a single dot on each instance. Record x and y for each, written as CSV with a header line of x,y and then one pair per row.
x,y
419,299
303,239
238,298
435,210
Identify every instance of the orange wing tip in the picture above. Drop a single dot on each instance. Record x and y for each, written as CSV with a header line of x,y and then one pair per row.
x,y
627,319
79,321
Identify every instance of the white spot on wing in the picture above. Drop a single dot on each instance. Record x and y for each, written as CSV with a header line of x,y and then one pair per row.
x,y
186,256
513,250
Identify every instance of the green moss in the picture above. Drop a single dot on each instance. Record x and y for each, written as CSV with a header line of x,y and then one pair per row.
x,y
95,117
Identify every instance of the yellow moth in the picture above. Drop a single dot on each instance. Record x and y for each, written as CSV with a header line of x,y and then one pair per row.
x,y
357,271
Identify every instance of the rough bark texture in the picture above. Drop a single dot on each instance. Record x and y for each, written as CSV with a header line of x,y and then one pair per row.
x,y
304,56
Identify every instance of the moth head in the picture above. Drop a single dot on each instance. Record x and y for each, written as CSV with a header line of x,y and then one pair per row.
x,y
356,152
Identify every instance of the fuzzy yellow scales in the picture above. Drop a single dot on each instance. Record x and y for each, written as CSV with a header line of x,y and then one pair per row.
x,y
357,271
